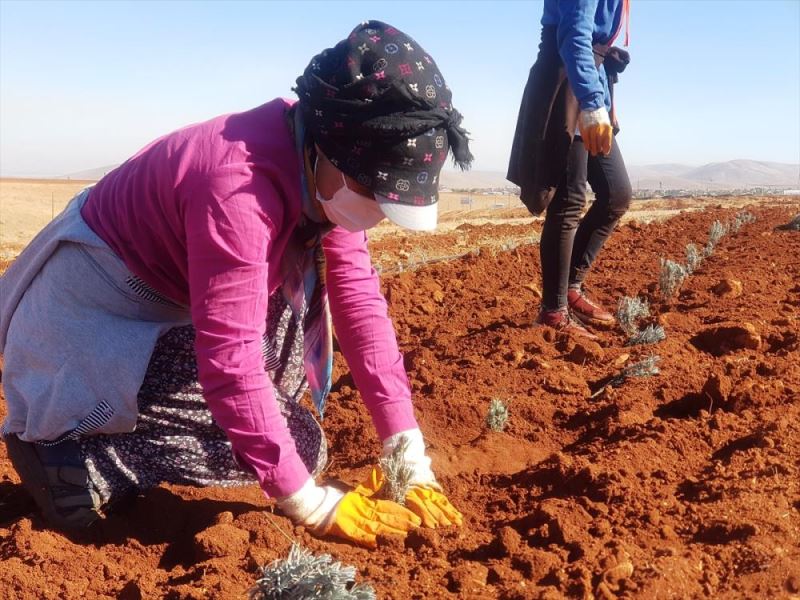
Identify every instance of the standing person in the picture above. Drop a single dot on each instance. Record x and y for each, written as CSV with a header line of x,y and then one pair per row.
x,y
165,326
564,139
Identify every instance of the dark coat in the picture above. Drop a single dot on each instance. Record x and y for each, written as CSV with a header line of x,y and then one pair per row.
x,y
548,117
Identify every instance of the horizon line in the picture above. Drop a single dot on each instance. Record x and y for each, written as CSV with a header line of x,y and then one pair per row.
x,y
446,167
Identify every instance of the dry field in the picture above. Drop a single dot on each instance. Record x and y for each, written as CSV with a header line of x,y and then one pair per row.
x,y
681,485
27,205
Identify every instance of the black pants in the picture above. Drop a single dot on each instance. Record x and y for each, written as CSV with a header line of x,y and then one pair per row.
x,y
569,245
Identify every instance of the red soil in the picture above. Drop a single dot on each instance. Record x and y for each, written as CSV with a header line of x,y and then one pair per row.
x,y
682,485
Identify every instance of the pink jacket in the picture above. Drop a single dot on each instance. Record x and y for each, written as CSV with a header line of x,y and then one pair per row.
x,y
203,215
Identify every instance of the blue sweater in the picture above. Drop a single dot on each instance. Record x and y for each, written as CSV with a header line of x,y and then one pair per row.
x,y
580,24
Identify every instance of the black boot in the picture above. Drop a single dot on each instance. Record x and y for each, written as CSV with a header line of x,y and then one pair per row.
x,y
57,478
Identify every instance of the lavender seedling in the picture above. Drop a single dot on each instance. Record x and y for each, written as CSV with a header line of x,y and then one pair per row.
x,y
497,416
652,334
644,368
715,233
671,278
397,473
693,258
629,311
302,575
742,218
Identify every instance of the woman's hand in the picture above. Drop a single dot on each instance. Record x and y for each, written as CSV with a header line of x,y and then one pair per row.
x,y
360,519
433,507
427,501
425,497
596,131
325,510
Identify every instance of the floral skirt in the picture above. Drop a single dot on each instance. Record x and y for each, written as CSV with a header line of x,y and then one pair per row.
x,y
176,438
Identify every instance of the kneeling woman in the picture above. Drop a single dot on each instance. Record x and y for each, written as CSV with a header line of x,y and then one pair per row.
x,y
219,256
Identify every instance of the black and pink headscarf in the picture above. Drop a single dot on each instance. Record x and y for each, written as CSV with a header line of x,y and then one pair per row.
x,y
380,110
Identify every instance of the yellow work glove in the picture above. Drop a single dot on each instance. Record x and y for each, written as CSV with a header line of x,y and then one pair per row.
x,y
596,131
325,510
361,519
426,501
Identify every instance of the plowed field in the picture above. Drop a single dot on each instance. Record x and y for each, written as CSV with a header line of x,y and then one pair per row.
x,y
681,485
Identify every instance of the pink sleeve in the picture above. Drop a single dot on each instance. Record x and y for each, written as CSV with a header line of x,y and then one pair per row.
x,y
365,332
228,233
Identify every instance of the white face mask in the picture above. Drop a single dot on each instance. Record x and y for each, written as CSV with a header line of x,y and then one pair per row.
x,y
351,210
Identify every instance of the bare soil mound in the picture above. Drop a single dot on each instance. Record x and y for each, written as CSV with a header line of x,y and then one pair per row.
x,y
682,485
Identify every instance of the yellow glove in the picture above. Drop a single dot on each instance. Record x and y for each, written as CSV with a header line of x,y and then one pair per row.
x,y
433,507
361,519
596,131
426,501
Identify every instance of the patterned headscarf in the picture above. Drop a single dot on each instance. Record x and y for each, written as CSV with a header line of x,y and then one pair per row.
x,y
379,109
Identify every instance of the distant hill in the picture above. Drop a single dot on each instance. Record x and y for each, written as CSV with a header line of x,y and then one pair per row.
x,y
713,176
716,176
89,174
732,174
741,173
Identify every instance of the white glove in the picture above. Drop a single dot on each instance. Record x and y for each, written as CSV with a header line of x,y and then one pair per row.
x,y
425,497
414,456
598,116
351,516
596,131
312,505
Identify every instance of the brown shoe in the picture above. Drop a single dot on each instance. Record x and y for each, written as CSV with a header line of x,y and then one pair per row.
x,y
587,311
561,321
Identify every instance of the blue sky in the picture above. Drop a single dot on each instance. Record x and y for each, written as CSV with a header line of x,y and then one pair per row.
x,y
86,84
